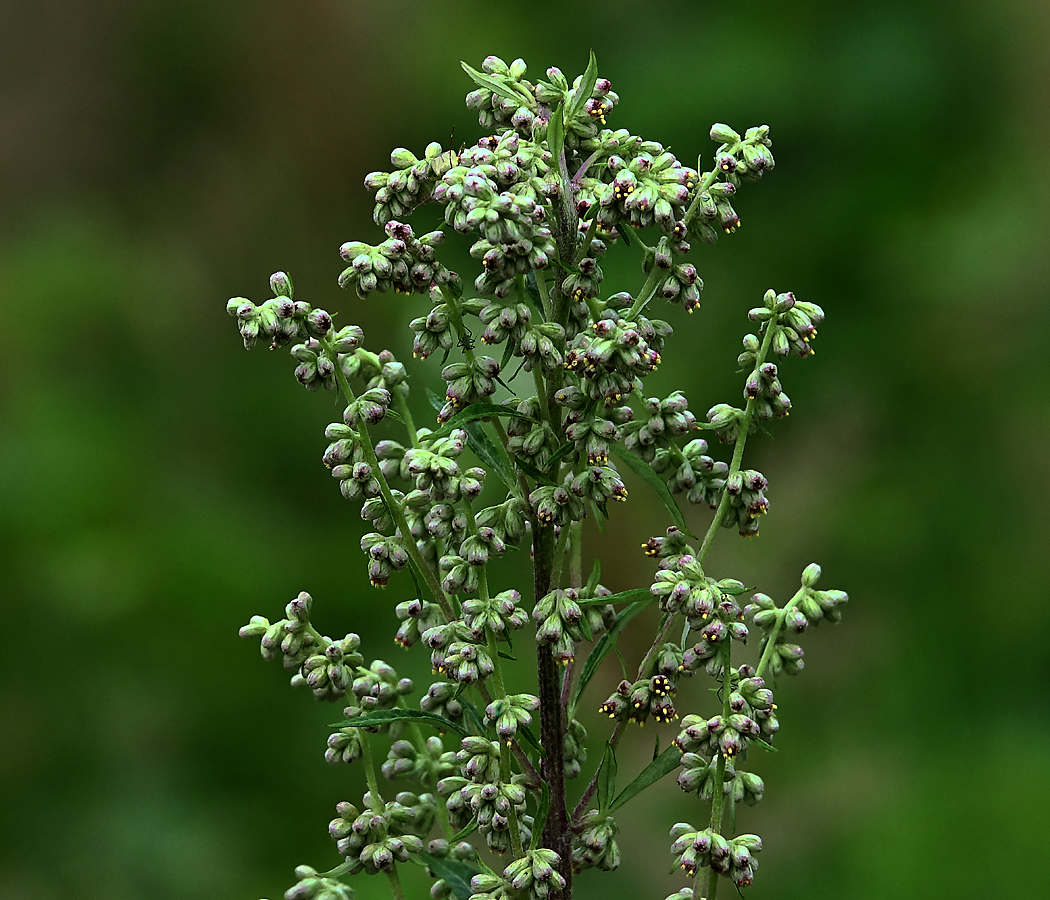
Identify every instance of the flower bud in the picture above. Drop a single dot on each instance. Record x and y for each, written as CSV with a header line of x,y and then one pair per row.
x,y
281,284
723,134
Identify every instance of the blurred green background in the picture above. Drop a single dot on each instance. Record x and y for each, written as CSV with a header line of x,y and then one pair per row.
x,y
158,485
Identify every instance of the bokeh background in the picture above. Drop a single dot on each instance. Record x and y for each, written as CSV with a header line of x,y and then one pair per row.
x,y
158,485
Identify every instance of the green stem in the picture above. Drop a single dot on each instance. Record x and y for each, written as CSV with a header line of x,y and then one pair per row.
x,y
665,626
718,800
649,288
401,402
396,513
504,746
456,318
545,296
559,555
646,293
375,799
395,883
576,559
771,639
585,248
738,451
708,179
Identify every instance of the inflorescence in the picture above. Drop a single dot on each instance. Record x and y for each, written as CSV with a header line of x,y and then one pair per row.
x,y
508,461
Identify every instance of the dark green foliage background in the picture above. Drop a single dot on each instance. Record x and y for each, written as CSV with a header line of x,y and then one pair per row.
x,y
158,485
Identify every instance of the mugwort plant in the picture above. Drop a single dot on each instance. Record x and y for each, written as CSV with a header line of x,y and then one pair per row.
x,y
470,778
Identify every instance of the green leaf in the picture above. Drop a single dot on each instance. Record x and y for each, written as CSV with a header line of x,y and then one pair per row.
x,y
533,473
540,820
473,714
663,765
387,716
530,738
492,84
594,578
558,455
642,470
580,96
623,597
605,645
435,401
491,454
598,520
470,828
585,629
508,355
556,135
606,778
456,872
761,743
473,413
503,655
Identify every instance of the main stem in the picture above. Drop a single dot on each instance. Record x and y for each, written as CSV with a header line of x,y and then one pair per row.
x,y
556,833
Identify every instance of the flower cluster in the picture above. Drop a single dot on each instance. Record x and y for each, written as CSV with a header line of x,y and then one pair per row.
x,y
505,463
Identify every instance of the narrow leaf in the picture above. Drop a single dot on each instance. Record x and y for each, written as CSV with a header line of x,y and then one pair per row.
x,y
530,738
533,473
492,84
631,596
508,354
473,715
387,716
435,400
605,644
580,96
492,454
470,828
663,765
456,872
540,819
473,413
558,455
643,471
594,578
556,134
606,778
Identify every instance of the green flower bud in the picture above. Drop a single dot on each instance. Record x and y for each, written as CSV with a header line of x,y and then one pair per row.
x,y
281,285
723,134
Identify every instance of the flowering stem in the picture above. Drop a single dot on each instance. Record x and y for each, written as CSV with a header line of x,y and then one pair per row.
x,y
581,808
396,513
400,400
771,640
738,451
374,797
718,799
504,746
